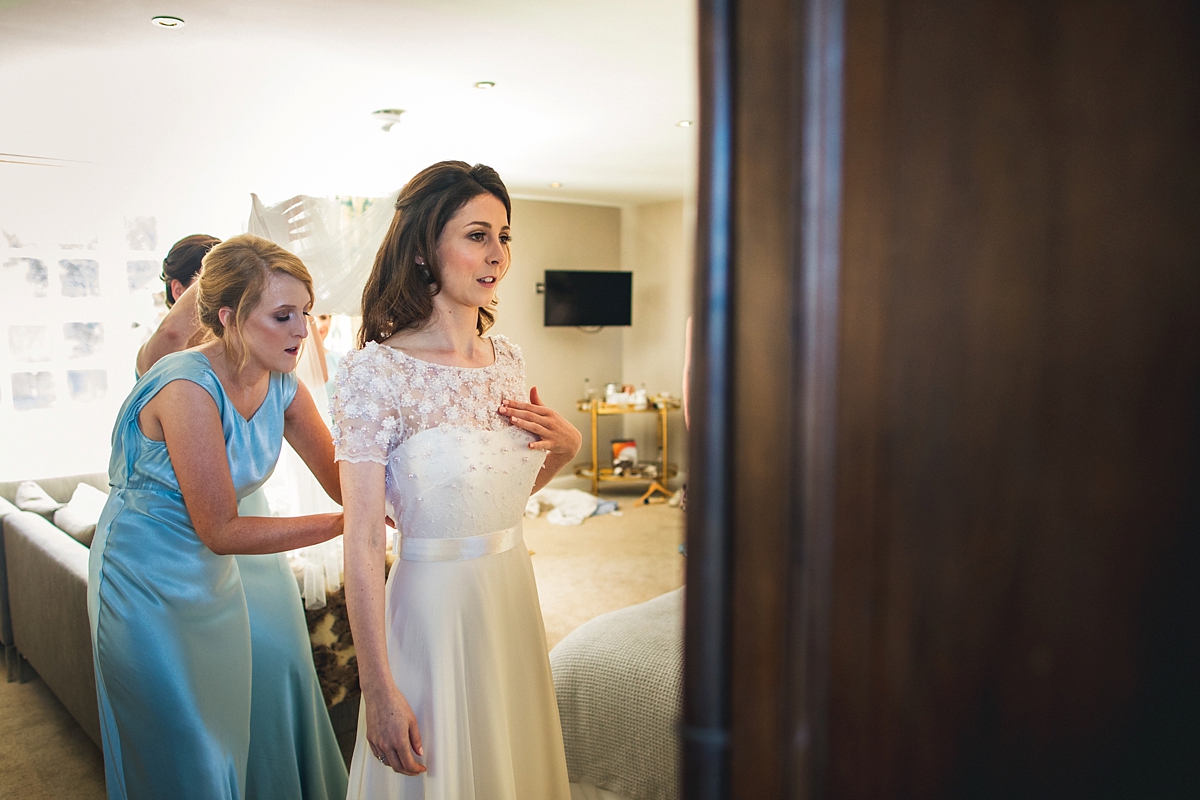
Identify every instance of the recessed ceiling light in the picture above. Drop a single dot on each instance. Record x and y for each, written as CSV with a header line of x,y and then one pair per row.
x,y
556,185
388,117
485,85
685,123
167,22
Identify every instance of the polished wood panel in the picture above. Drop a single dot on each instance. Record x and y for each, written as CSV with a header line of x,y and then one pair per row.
x,y
766,350
706,702
946,460
1020,377
778,323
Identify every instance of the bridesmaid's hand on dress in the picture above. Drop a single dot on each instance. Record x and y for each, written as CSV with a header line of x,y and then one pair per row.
x,y
557,436
392,733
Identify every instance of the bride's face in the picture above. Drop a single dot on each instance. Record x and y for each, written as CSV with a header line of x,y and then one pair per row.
x,y
472,252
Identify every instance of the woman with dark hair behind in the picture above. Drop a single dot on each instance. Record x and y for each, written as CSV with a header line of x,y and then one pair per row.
x,y
182,264
180,326
430,423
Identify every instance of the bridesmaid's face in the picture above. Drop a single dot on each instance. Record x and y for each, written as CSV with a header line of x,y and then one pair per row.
x,y
473,253
276,327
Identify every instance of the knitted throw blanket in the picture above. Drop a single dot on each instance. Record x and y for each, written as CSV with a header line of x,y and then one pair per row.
x,y
619,682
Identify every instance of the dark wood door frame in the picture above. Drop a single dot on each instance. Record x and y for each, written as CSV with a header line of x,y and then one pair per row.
x,y
706,709
765,338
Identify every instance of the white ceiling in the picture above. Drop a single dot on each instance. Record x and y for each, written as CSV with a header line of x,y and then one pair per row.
x,y
274,97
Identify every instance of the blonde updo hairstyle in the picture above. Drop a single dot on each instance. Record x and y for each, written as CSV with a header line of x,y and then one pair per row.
x,y
233,276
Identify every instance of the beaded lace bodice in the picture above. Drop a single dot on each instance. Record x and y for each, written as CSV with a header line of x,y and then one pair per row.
x,y
455,467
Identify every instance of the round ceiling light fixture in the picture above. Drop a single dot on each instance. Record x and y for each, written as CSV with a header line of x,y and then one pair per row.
x,y
685,123
485,84
556,185
167,22
387,117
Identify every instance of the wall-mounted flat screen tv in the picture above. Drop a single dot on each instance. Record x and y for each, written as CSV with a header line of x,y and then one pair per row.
x,y
587,298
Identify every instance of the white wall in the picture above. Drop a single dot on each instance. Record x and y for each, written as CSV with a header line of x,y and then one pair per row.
x,y
652,241
84,212
557,360
648,240
657,248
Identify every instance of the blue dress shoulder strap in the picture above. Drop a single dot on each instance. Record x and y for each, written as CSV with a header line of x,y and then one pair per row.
x,y
127,436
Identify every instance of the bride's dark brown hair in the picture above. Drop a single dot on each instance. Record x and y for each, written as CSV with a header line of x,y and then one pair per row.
x,y
399,294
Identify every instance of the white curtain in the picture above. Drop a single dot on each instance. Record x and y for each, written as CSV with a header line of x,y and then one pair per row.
x,y
292,491
336,238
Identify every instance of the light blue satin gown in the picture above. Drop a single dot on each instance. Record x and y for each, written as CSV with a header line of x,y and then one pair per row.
x,y
172,625
293,749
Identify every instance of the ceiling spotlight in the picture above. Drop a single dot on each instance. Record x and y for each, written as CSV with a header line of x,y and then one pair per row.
x,y
556,185
485,85
167,22
685,123
388,117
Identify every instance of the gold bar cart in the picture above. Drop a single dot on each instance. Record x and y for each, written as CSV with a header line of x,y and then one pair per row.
x,y
660,405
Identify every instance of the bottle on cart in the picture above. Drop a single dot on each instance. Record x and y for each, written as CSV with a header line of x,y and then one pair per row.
x,y
639,398
589,393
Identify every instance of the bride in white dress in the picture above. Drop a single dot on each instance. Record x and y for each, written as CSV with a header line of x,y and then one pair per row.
x,y
431,424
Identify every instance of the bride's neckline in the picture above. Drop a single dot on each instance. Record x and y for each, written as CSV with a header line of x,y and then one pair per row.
x,y
490,340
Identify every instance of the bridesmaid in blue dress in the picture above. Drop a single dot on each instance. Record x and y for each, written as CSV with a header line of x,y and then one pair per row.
x,y
171,627
293,748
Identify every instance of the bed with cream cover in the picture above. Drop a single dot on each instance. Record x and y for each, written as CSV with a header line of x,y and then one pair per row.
x,y
619,683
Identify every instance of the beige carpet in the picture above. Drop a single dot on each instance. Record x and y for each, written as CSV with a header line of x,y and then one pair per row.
x,y
44,754
607,563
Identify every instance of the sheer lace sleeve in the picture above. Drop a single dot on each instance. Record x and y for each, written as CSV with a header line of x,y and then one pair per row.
x,y
366,423
513,371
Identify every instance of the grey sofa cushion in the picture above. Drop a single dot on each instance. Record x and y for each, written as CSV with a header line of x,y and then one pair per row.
x,y
78,518
61,490
6,638
32,497
47,584
79,527
6,508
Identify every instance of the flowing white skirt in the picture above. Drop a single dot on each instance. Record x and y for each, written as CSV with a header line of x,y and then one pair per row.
x,y
467,647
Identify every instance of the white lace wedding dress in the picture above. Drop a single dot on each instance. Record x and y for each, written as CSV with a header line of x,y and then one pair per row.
x,y
466,643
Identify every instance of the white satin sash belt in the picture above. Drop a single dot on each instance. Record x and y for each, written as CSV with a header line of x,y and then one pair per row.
x,y
461,549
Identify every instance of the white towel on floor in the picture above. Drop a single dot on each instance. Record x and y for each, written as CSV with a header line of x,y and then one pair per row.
x,y
567,506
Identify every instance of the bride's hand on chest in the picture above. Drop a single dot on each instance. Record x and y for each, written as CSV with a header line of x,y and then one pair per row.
x,y
555,435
